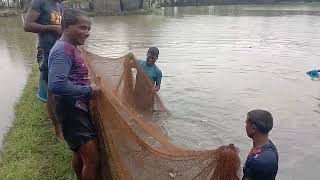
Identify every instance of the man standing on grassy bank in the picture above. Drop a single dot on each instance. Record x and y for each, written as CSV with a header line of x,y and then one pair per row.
x,y
44,18
69,83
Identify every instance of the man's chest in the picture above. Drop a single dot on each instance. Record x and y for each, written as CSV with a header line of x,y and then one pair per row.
x,y
50,14
150,71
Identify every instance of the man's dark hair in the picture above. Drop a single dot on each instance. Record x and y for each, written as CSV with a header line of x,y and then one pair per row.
x,y
69,17
153,51
261,119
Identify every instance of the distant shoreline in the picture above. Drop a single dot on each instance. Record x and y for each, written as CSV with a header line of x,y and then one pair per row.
x,y
238,2
15,12
8,12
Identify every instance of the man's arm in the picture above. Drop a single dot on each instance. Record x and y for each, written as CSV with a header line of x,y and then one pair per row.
x,y
130,63
31,25
158,81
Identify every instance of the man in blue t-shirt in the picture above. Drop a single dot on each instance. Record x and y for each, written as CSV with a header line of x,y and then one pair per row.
x,y
262,161
152,70
44,18
148,80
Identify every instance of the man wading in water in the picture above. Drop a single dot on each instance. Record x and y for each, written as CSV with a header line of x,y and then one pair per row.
x,y
148,80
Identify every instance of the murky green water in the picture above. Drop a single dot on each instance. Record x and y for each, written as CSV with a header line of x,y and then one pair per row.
x,y
218,63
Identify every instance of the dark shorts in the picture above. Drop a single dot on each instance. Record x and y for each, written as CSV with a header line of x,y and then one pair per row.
x,y
76,124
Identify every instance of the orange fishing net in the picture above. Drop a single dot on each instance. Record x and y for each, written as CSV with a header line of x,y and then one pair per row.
x,y
131,142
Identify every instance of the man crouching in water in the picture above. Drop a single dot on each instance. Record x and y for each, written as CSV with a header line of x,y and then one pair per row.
x,y
69,83
148,80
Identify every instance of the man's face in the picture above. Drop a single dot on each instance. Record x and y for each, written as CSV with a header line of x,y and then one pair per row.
x,y
151,59
249,129
79,32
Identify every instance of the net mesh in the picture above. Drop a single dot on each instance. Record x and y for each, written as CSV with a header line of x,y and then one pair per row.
x,y
131,142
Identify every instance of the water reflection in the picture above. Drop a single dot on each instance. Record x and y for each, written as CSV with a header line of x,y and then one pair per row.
x,y
119,35
17,50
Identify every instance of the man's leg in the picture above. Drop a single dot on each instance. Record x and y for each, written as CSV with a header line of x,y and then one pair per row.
x,y
89,156
42,87
77,165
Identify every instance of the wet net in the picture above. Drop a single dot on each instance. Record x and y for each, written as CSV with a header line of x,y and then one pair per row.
x,y
132,144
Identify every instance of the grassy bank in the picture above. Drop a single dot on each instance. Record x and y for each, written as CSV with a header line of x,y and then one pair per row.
x,y
30,150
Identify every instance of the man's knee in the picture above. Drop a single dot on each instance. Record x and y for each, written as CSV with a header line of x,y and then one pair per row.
x,y
89,153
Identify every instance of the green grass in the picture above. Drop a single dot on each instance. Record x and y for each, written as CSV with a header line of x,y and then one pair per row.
x,y
30,150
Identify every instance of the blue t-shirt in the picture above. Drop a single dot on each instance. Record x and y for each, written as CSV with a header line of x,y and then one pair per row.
x,y
50,14
262,163
153,72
